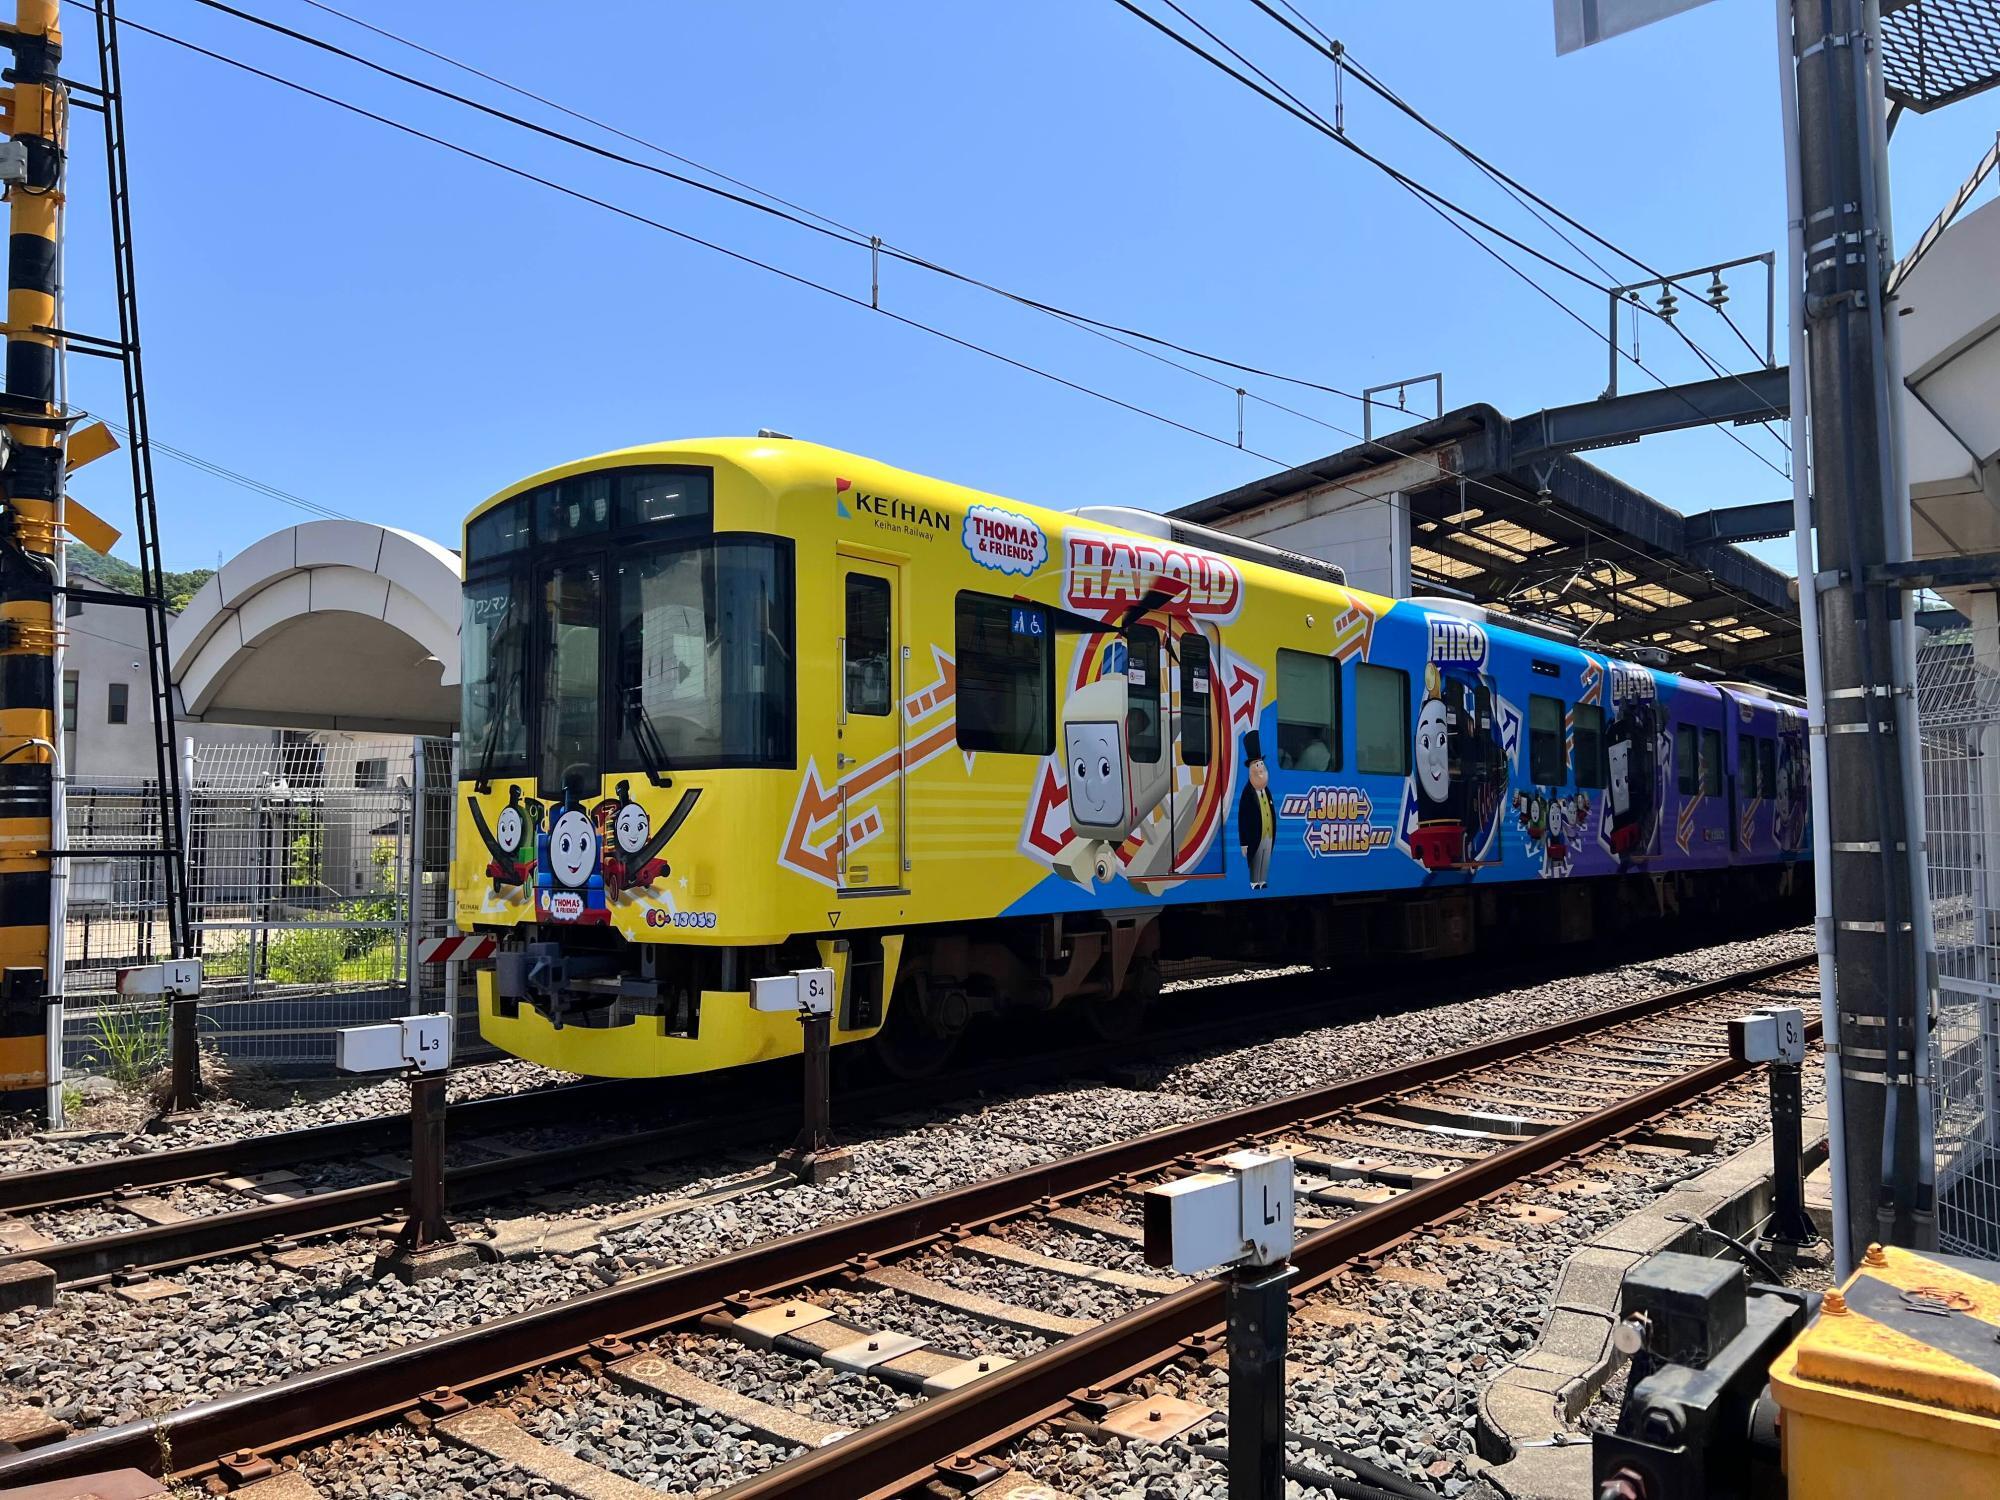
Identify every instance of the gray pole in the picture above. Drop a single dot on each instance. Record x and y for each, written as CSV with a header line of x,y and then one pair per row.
x,y
1866,844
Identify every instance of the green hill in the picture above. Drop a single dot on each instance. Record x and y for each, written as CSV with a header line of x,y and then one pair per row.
x,y
119,574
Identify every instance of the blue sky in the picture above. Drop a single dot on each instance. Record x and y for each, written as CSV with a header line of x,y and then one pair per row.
x,y
367,321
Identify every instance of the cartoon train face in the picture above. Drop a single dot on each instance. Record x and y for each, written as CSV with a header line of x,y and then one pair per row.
x,y
572,848
569,878
1631,758
630,828
1459,768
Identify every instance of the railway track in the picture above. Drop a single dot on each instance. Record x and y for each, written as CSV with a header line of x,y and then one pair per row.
x,y
251,1201
903,1294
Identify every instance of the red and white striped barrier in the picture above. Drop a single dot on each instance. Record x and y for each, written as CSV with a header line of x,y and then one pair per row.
x,y
446,950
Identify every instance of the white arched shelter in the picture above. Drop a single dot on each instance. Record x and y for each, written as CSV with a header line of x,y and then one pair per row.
x,y
325,625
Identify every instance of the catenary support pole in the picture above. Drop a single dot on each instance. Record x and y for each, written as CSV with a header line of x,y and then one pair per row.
x,y
29,543
1809,610
1864,840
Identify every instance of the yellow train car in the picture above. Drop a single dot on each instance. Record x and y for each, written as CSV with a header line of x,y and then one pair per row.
x,y
739,706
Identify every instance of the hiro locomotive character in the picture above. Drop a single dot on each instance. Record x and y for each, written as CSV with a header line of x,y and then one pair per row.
x,y
1460,769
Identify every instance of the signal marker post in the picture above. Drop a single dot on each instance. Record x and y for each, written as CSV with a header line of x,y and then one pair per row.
x,y
1778,1037
178,981
420,1047
813,1157
1241,1217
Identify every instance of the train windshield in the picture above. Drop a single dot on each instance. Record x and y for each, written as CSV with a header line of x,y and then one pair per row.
x,y
703,654
495,655
608,629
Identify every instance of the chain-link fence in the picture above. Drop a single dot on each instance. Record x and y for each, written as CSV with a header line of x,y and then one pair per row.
x,y
1958,710
304,854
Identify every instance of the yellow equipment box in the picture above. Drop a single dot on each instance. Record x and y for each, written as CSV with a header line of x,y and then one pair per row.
x,y
1895,1388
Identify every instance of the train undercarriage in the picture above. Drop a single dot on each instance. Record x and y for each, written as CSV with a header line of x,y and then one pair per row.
x,y
916,994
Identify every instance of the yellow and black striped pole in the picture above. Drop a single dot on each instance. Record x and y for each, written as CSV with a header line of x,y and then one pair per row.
x,y
32,113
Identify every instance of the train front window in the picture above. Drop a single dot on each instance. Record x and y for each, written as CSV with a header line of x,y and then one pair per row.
x,y
703,671
494,650
573,612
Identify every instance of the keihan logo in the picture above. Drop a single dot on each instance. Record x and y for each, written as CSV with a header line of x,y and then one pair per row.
x,y
896,515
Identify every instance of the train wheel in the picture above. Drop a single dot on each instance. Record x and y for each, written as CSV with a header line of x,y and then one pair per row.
x,y
908,1046
1121,1017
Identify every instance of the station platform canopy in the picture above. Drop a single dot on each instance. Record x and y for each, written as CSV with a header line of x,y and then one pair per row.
x,y
326,625
1475,505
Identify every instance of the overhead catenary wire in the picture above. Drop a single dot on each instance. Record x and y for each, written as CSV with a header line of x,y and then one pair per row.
x,y
1526,196
861,302
788,210
1450,211
231,476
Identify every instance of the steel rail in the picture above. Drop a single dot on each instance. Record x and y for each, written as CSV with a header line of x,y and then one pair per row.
x,y
201,1237
892,1456
321,1403
57,1186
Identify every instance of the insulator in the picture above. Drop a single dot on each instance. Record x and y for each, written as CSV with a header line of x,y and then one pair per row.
x,y
1668,302
1718,293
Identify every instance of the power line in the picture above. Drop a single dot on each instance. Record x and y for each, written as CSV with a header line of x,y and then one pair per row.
x,y
1436,202
210,467
1309,118
858,302
1527,197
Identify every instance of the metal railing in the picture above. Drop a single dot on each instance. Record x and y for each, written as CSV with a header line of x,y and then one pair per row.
x,y
315,868
1958,710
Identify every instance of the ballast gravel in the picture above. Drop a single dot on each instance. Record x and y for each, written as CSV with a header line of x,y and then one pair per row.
x,y
331,1102
97,1358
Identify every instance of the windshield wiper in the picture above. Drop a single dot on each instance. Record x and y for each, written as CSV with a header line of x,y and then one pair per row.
x,y
483,780
647,737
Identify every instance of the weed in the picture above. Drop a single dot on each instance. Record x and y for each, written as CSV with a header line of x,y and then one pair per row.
x,y
130,1041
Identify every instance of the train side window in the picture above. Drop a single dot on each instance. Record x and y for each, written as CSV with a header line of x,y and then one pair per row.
x,y
1195,699
1711,762
1748,784
1308,712
1589,744
1381,721
1143,740
867,645
1547,764
1767,765
1688,774
1006,675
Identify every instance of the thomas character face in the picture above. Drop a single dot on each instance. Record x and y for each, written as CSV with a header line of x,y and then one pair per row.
x,y
509,829
572,848
1096,775
1260,774
1620,757
631,828
1433,769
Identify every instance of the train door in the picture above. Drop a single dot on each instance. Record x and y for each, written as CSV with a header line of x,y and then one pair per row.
x,y
867,623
